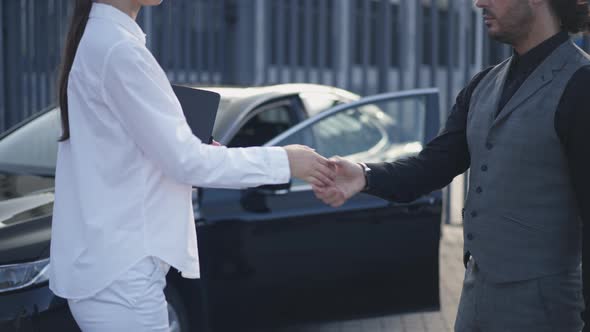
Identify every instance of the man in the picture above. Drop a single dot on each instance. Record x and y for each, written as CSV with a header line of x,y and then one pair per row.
x,y
522,126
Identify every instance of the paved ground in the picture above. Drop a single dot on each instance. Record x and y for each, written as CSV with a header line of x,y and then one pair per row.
x,y
451,274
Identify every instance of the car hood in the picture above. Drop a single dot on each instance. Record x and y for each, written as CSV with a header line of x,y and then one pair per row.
x,y
26,205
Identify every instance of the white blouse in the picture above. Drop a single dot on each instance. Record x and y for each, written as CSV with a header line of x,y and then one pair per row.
x,y
124,178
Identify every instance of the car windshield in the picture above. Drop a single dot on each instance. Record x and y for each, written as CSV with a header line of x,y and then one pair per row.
x,y
32,148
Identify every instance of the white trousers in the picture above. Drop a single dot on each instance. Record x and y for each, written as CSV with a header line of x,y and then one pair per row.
x,y
134,302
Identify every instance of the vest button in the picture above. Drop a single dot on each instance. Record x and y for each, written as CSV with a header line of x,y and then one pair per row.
x,y
474,214
469,236
479,190
484,168
489,146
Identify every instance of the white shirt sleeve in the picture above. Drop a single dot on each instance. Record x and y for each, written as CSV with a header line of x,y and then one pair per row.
x,y
137,90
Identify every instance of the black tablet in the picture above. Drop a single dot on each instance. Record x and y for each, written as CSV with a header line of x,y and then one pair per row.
x,y
200,109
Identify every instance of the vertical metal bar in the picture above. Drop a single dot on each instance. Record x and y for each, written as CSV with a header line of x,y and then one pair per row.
x,y
211,46
199,49
259,48
39,59
245,56
353,42
366,48
3,126
294,48
205,24
12,38
419,44
25,70
307,45
450,52
479,40
323,40
270,34
50,62
469,31
401,49
434,39
342,49
289,16
32,87
384,53
179,24
20,64
188,28
45,58
450,89
25,73
331,42
55,44
280,39
166,31
222,40
8,58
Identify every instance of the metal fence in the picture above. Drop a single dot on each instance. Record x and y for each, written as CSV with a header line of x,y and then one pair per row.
x,y
366,46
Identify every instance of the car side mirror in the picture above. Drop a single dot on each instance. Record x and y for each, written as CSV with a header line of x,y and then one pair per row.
x,y
254,199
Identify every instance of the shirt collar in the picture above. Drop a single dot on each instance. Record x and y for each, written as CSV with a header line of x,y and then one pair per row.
x,y
108,12
534,57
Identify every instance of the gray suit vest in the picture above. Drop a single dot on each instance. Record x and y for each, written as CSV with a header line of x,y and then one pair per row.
x,y
521,219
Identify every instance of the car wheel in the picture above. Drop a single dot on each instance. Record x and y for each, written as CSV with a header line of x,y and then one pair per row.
x,y
177,317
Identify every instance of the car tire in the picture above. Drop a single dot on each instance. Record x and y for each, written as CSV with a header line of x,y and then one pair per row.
x,y
177,313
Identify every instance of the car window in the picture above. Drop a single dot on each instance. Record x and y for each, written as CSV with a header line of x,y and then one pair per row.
x,y
33,145
263,126
316,102
382,131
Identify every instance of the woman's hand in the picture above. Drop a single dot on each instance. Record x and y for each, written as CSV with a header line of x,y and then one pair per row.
x,y
309,166
350,180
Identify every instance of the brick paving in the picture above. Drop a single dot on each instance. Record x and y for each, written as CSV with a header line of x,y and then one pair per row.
x,y
451,277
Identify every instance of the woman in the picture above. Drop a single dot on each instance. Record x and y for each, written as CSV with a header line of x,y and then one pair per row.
x,y
126,165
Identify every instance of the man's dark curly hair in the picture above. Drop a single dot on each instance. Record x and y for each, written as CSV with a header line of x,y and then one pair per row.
x,y
573,14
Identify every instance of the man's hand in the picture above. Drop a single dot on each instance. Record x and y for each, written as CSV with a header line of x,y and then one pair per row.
x,y
349,181
309,166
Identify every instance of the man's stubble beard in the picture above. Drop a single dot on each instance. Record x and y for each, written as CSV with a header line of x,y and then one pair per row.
x,y
515,25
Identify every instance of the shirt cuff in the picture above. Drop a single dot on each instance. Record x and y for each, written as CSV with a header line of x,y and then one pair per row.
x,y
278,162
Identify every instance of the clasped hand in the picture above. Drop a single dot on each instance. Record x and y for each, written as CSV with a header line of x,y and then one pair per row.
x,y
333,180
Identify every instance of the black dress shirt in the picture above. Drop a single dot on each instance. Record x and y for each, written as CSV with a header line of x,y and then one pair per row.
x,y
447,155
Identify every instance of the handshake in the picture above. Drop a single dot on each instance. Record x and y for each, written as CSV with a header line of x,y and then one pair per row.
x,y
333,180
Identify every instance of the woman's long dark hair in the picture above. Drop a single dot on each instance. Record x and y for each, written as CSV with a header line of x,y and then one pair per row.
x,y
76,29
573,14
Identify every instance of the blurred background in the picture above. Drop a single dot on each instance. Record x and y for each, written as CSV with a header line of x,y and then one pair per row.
x,y
365,46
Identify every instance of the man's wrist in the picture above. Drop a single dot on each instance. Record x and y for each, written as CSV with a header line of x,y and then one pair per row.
x,y
365,180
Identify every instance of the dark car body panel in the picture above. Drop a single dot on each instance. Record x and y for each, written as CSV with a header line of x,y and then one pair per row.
x,y
35,309
308,263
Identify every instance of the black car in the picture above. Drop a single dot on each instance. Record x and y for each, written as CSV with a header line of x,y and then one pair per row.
x,y
268,255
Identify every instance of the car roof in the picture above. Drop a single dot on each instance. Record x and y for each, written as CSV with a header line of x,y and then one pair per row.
x,y
237,102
